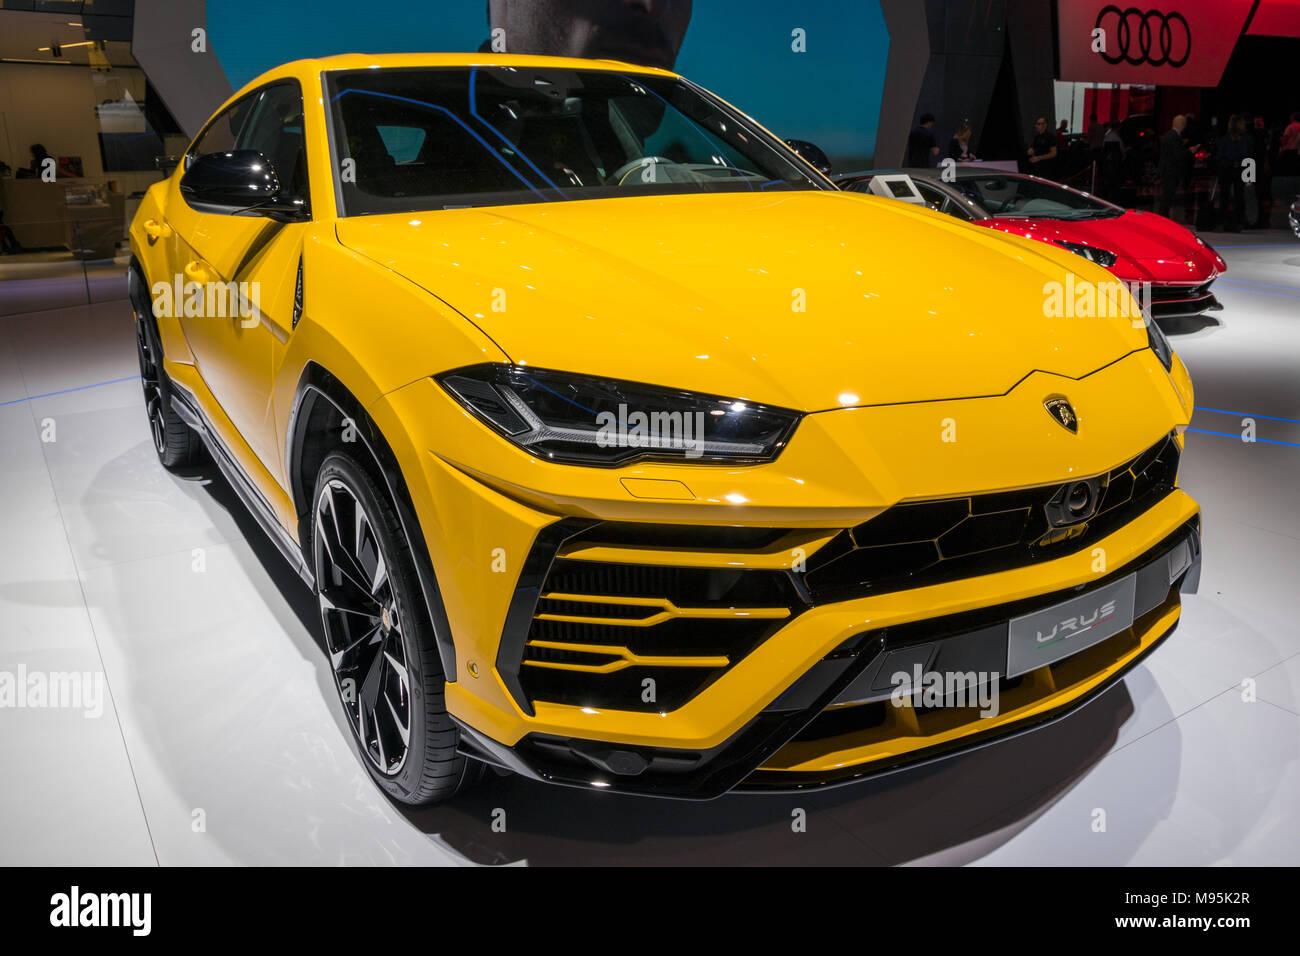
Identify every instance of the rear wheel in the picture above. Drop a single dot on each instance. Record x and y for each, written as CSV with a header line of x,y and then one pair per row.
x,y
175,442
380,641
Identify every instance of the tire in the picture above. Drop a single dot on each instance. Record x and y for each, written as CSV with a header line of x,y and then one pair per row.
x,y
380,641
175,442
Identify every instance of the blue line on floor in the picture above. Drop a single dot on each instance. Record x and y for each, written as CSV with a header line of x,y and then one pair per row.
x,y
1267,418
64,391
1262,441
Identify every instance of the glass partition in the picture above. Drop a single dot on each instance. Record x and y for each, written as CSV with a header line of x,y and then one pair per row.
x,y
81,132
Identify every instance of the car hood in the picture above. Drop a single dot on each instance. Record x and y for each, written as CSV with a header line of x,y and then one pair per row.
x,y
809,300
1136,235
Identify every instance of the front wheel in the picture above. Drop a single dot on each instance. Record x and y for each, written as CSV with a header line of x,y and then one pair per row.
x,y
380,641
175,442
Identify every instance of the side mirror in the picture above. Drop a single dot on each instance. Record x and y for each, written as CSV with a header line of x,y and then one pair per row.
x,y
240,183
812,154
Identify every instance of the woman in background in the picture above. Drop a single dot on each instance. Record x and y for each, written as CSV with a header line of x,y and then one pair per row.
x,y
959,148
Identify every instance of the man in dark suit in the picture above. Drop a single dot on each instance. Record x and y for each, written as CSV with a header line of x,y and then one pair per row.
x,y
1040,158
1172,164
922,148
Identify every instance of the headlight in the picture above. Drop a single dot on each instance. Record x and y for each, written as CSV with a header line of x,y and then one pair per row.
x,y
596,421
1103,257
1160,344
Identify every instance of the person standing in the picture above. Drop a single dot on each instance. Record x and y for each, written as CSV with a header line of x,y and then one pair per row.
x,y
1263,144
1112,162
1288,153
921,145
1041,155
1096,139
1172,164
1232,150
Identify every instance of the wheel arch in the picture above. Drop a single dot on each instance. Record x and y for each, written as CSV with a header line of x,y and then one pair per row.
x,y
137,290
322,407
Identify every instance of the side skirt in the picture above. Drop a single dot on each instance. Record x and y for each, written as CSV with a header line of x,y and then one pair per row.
x,y
187,408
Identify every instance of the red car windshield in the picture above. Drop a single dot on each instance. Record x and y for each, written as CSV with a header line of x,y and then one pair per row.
x,y
1020,197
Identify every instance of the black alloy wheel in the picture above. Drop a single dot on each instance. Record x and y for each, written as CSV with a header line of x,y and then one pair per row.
x,y
364,627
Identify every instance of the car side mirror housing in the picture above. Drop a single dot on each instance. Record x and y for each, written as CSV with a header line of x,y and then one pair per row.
x,y
243,182
812,154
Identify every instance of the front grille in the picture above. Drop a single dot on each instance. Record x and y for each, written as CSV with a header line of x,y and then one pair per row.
x,y
591,632
1170,301
914,544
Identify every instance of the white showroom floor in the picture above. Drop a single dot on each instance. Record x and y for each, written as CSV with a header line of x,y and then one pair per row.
x,y
220,741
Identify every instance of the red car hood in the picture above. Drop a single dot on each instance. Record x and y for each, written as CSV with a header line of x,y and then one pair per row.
x,y
1150,248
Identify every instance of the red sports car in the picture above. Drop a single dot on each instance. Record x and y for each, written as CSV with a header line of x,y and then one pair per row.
x,y
1137,246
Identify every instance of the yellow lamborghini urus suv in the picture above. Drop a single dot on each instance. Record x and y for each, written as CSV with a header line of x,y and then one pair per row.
x,y
623,451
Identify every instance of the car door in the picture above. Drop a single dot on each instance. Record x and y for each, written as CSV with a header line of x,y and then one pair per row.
x,y
184,264
252,264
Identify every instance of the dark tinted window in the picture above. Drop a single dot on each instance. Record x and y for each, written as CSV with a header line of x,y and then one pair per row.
x,y
940,201
406,140
1022,197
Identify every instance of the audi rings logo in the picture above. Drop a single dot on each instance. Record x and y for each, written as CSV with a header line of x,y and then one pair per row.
x,y
1151,37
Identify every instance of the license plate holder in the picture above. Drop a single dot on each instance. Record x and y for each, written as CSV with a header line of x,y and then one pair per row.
x,y
1055,633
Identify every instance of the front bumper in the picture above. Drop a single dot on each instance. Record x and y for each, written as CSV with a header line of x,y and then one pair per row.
x,y
1179,288
820,732
1183,301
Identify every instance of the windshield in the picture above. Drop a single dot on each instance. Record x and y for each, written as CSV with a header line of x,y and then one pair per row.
x,y
418,139
1020,197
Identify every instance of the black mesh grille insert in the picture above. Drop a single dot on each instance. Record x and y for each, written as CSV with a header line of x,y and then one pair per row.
x,y
693,537
928,542
684,586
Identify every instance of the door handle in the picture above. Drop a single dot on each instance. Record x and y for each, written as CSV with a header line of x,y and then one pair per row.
x,y
157,230
196,273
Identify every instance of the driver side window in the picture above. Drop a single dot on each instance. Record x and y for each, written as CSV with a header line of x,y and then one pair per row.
x,y
223,132
270,121
274,128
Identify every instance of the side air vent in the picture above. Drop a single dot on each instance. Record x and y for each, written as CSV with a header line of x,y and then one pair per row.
x,y
646,637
